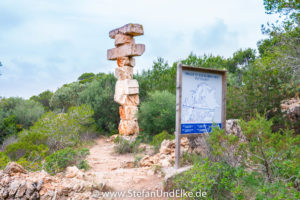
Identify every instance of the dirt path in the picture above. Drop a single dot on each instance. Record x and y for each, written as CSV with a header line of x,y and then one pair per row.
x,y
107,167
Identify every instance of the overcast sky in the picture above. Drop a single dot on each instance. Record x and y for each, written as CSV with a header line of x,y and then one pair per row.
x,y
47,43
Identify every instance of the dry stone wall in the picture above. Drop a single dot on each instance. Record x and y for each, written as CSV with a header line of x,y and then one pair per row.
x,y
127,88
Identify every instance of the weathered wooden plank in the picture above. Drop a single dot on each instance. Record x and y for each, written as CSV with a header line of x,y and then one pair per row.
x,y
178,115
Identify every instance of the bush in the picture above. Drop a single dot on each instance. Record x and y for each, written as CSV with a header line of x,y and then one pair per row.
x,y
51,133
35,165
8,140
66,96
8,127
217,179
273,154
60,160
157,139
22,112
27,150
99,94
44,99
124,146
3,160
27,112
27,154
58,131
221,181
158,113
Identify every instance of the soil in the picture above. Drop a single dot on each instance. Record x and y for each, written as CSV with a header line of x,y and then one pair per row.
x,y
108,168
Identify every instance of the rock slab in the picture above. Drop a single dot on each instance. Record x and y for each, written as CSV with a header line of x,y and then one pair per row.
x,y
126,89
128,29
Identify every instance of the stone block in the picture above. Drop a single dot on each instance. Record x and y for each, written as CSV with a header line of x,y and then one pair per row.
x,y
126,50
126,61
128,29
125,92
127,87
128,112
123,73
130,100
128,127
123,39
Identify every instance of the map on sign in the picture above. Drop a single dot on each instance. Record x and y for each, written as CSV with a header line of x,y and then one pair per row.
x,y
201,107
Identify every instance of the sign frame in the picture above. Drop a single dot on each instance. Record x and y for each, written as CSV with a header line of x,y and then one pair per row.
x,y
178,135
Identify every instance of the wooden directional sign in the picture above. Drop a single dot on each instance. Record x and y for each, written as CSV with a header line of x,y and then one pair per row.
x,y
200,102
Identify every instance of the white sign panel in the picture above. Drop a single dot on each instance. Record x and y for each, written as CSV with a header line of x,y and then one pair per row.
x,y
201,103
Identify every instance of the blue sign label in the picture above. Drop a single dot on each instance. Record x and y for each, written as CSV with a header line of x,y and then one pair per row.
x,y
198,128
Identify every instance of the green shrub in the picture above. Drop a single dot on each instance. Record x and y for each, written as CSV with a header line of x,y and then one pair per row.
x,y
217,179
44,99
66,96
123,146
27,154
8,126
49,134
27,150
189,158
86,77
99,94
30,165
63,158
27,112
58,131
158,113
3,160
16,114
273,157
157,139
221,181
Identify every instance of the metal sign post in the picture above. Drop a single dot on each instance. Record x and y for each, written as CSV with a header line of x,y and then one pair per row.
x,y
200,102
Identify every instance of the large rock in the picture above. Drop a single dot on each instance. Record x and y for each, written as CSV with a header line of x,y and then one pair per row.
x,y
166,155
129,100
123,39
128,127
126,61
232,127
194,144
125,92
170,174
12,168
291,108
128,112
73,171
123,73
128,29
126,50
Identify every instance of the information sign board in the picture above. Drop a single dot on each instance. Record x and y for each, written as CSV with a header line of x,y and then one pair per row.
x,y
200,101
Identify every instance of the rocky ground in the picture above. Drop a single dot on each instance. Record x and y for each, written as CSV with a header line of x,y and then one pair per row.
x,y
109,171
118,172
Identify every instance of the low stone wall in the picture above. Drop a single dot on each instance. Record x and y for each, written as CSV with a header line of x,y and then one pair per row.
x,y
17,183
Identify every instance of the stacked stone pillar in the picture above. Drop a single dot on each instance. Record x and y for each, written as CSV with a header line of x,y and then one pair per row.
x,y
127,88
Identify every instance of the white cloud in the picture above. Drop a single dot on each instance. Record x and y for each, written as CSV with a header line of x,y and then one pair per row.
x,y
44,44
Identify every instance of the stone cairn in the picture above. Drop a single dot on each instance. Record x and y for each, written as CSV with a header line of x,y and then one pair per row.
x,y
127,88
